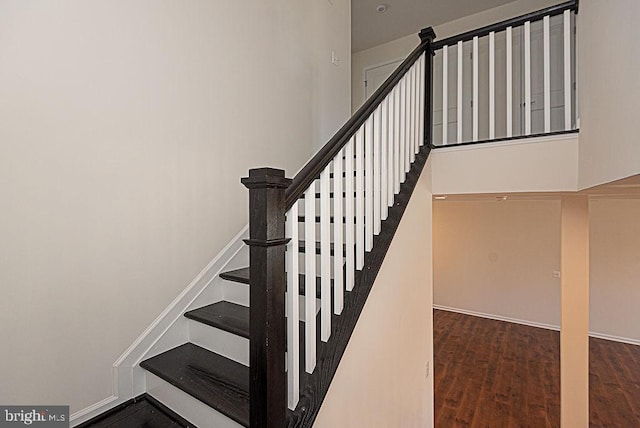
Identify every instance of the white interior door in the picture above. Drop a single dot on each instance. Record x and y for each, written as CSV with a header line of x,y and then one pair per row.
x,y
375,76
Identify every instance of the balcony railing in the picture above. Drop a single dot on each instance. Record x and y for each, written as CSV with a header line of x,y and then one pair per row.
x,y
513,79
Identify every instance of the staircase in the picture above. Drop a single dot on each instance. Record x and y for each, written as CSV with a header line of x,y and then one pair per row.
x,y
316,245
340,213
221,383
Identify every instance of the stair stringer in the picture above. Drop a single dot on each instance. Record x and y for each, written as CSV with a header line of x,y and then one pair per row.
x,y
388,361
314,387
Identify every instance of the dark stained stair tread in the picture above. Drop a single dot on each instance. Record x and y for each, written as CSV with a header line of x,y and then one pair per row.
x,y
226,316
217,381
238,275
242,276
143,411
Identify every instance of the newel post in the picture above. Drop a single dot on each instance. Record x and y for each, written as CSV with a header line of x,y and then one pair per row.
x,y
428,35
267,325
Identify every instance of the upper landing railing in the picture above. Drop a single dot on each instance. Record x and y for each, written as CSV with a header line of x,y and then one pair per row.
x,y
513,79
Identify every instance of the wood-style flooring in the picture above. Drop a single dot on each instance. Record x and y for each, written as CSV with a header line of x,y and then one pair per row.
x,y
142,412
498,374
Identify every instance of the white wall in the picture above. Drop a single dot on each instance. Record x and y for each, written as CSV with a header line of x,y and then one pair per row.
x,y
609,89
497,258
615,267
546,164
125,129
381,380
401,47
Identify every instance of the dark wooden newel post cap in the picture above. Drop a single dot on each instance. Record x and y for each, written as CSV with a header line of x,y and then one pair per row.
x,y
266,178
427,34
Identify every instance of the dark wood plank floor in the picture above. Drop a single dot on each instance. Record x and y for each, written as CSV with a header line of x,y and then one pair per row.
x,y
143,412
614,384
498,374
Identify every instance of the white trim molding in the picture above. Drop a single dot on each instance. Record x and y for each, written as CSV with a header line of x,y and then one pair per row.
x,y
498,317
614,338
535,324
95,410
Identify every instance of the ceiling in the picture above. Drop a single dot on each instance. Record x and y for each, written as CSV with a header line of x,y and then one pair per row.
x,y
403,17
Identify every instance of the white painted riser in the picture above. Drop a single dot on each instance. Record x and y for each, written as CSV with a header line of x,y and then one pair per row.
x,y
182,403
221,342
237,293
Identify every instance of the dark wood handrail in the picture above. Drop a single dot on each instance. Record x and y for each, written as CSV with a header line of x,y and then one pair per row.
x,y
319,162
501,26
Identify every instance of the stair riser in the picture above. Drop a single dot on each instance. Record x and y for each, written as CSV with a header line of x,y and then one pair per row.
x,y
238,293
219,341
186,406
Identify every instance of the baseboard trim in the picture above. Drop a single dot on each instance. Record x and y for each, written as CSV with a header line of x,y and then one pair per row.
x,y
614,338
498,317
535,324
95,410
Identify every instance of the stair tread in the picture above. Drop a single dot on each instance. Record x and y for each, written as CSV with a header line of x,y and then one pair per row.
x,y
217,381
242,276
226,316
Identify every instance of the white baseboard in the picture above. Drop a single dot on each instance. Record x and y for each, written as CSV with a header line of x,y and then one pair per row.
x,y
95,410
614,338
535,324
498,317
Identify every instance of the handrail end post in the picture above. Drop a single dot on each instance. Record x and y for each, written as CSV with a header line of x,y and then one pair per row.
x,y
427,34
267,322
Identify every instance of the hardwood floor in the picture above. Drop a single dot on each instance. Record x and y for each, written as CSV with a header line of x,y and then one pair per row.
x,y
497,374
614,384
142,412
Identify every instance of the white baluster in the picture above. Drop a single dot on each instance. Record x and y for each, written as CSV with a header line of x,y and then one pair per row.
x,y
414,112
527,78
459,93
368,177
325,255
293,309
384,144
419,79
492,85
445,95
349,232
476,104
391,147
310,277
421,101
338,253
567,70
360,198
509,107
377,136
547,74
403,129
407,126
397,143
